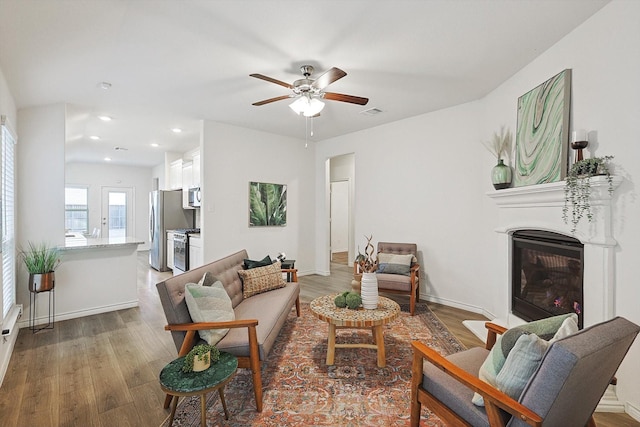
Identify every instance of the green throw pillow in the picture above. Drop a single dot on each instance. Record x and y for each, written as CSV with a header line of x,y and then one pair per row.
x,y
209,304
493,364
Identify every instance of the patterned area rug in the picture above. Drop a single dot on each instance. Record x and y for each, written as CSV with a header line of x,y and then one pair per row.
x,y
300,390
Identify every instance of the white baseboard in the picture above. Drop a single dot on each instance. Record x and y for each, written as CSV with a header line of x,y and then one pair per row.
x,y
24,323
633,411
456,304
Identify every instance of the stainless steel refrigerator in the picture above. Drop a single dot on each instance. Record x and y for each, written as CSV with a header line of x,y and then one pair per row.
x,y
165,213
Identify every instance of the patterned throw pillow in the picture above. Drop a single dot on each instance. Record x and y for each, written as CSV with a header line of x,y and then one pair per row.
x,y
394,263
546,329
261,279
209,304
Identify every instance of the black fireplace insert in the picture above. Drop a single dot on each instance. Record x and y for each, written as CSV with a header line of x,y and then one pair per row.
x,y
547,275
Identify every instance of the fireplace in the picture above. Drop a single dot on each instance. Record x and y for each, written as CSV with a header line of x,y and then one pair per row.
x,y
547,275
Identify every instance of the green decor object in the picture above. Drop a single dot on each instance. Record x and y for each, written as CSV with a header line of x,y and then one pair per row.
x,y
501,176
348,299
40,258
41,261
542,134
203,352
577,188
267,204
500,146
353,300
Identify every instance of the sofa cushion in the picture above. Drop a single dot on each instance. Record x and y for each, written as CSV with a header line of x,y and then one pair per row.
x,y
249,263
394,282
271,309
208,279
261,279
394,263
209,304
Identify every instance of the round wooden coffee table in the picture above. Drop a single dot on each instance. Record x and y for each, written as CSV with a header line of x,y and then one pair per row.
x,y
344,318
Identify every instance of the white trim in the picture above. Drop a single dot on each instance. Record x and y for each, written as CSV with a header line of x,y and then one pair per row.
x,y
82,313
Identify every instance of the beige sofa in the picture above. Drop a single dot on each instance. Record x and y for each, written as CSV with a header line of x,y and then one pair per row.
x,y
259,318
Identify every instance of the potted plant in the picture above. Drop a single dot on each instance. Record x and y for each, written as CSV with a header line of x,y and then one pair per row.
x,y
200,358
577,188
41,261
499,146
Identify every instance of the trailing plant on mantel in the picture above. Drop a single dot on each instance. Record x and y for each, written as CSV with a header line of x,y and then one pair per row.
x,y
577,189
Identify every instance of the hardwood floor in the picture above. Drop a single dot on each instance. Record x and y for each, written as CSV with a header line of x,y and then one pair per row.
x,y
102,370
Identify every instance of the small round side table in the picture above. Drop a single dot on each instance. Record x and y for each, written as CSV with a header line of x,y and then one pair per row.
x,y
177,383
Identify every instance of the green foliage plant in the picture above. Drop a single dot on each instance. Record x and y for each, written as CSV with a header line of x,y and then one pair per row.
x,y
577,189
202,352
40,258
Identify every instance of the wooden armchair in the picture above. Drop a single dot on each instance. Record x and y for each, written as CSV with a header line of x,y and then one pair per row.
x,y
398,283
564,391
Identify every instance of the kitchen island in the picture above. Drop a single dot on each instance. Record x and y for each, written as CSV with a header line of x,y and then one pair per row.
x,y
95,275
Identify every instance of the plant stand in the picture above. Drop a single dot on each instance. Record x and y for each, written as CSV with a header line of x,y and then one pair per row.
x,y
51,316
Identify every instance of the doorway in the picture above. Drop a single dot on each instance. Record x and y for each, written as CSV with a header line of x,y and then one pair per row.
x,y
339,222
117,212
340,196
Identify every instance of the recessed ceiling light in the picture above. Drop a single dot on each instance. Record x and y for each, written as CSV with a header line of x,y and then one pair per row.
x,y
94,137
105,118
176,130
104,85
155,144
107,159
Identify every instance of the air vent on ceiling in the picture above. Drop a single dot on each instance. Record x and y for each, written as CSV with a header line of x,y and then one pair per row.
x,y
371,111
121,149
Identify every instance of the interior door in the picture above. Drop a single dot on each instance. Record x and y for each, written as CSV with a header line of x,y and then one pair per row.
x,y
117,212
339,217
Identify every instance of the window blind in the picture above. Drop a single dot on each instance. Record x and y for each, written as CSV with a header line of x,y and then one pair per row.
x,y
8,232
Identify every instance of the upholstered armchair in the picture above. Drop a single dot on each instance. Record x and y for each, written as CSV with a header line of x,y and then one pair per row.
x,y
564,389
394,278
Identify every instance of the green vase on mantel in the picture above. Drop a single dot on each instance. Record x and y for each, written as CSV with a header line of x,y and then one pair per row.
x,y
501,175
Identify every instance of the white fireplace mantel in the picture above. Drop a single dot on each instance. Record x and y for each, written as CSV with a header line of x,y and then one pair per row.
x,y
540,207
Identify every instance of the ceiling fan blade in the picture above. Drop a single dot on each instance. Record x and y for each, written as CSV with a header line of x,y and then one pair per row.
x,y
345,98
267,101
272,80
328,77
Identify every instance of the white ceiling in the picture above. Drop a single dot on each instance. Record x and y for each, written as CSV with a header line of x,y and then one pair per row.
x,y
174,63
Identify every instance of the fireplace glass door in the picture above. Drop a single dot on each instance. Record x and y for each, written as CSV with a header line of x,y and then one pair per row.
x,y
547,276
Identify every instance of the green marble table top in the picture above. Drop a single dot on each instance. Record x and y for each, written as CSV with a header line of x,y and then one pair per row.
x,y
172,377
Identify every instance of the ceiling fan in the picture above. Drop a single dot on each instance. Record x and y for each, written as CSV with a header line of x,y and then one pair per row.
x,y
308,91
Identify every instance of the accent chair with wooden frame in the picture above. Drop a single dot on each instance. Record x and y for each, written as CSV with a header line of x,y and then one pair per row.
x,y
399,283
564,390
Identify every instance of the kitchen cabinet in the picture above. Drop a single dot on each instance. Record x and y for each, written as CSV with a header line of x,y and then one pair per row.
x,y
196,170
175,175
170,249
187,183
195,251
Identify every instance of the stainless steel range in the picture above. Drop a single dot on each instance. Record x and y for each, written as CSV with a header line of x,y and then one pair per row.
x,y
181,248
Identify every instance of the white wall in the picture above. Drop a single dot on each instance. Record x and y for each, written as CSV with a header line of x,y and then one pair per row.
x,y
416,181
424,179
96,176
231,158
604,56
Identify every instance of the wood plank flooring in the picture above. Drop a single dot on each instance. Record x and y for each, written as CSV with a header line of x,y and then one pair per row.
x,y
102,370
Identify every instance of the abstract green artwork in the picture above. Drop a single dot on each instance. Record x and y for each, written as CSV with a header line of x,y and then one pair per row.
x,y
267,204
542,135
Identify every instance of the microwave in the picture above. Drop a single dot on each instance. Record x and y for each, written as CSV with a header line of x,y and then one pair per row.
x,y
195,198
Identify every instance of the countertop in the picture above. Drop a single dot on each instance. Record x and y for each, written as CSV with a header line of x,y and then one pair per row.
x,y
80,242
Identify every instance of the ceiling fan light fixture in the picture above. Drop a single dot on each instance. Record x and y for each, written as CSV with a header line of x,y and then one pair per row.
x,y
306,106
